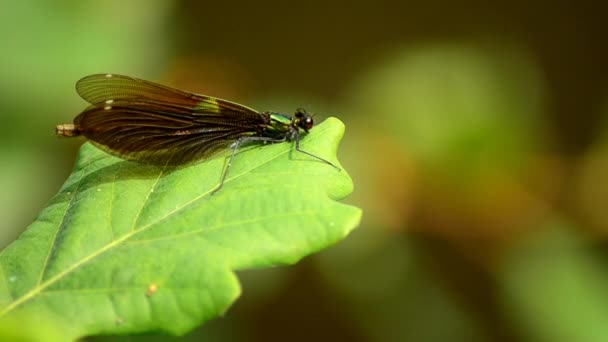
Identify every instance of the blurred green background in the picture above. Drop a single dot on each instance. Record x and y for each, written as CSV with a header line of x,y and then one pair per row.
x,y
477,138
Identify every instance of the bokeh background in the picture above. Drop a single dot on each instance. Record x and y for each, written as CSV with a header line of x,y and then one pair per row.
x,y
477,138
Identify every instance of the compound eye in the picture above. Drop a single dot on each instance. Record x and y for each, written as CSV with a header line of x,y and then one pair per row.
x,y
308,123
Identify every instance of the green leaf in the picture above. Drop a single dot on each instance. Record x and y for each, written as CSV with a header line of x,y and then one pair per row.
x,y
125,247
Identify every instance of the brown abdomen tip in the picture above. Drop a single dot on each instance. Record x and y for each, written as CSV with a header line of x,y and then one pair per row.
x,y
67,130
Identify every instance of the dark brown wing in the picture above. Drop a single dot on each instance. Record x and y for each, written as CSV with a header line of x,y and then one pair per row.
x,y
150,123
99,88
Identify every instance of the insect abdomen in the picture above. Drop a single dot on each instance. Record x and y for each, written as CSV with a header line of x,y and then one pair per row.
x,y
67,130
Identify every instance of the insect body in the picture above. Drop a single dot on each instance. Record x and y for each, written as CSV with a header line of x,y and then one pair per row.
x,y
154,124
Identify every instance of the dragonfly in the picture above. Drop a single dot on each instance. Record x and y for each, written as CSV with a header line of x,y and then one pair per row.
x,y
151,123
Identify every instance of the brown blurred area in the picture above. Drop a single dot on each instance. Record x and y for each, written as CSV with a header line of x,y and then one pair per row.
x,y
476,136
331,42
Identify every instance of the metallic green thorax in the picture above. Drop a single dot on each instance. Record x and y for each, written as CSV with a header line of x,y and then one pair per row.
x,y
279,123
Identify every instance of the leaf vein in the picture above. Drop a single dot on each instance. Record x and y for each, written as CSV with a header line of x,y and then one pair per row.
x,y
53,246
145,201
219,226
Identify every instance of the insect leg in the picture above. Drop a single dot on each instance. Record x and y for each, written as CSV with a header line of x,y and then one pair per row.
x,y
297,136
235,147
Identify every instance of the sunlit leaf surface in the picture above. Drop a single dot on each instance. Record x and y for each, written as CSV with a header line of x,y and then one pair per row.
x,y
125,247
